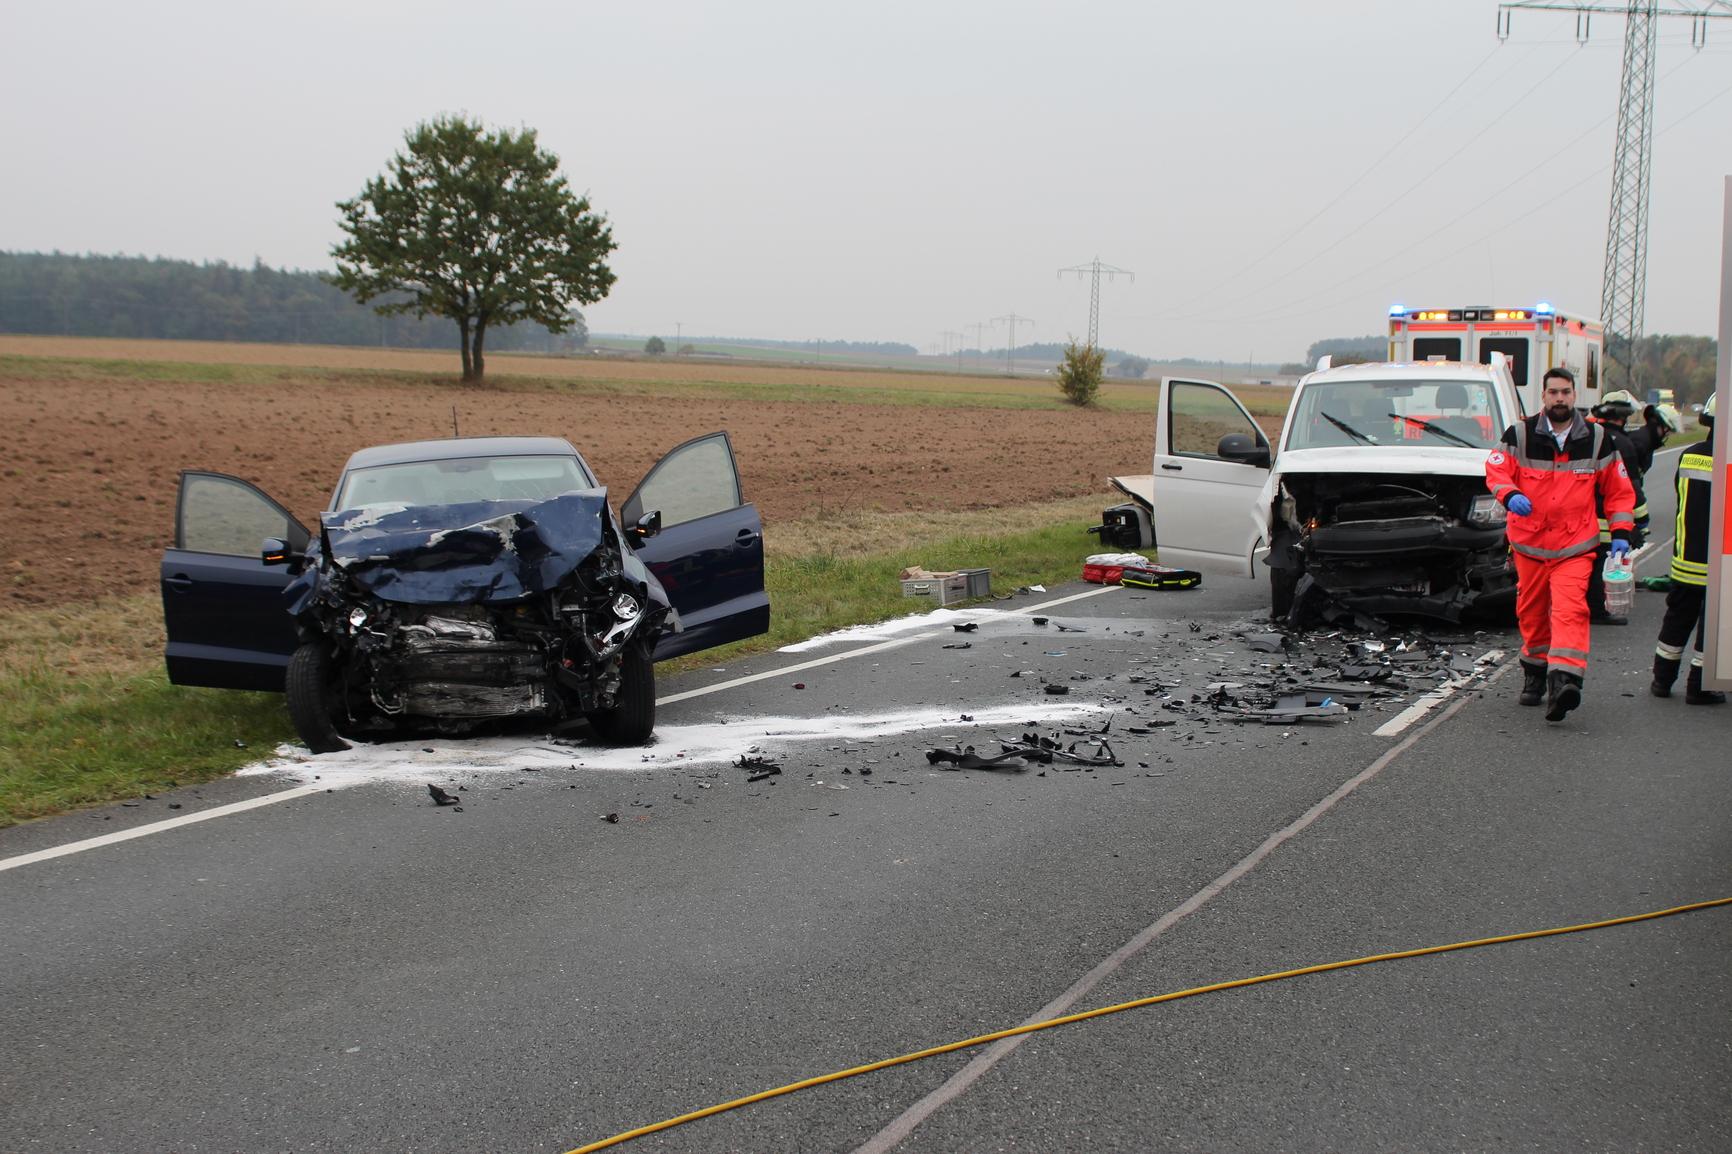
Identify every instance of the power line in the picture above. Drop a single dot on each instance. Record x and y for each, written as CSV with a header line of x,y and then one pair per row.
x,y
1293,234
1360,225
1502,228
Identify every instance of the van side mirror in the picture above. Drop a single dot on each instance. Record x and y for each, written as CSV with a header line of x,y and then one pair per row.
x,y
1243,448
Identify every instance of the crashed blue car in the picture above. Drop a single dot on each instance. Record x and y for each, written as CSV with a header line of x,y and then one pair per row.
x,y
456,582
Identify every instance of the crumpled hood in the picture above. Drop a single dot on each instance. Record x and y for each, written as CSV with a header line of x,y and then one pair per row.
x,y
471,553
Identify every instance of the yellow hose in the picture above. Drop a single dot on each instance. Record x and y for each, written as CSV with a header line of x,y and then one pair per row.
x,y
1085,1015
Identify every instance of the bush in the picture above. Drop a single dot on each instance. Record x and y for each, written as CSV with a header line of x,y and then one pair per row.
x,y
1080,372
655,346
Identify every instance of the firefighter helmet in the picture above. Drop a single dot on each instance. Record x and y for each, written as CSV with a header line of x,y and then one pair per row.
x,y
1617,405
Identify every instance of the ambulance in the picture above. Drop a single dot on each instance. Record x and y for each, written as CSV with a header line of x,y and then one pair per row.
x,y
1534,339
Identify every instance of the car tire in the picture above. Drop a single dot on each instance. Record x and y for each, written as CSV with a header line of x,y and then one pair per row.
x,y
633,716
309,687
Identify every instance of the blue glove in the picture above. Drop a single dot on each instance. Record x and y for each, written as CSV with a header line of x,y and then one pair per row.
x,y
1520,505
1620,548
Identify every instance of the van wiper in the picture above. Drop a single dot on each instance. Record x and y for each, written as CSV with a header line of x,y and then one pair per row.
x,y
1442,432
1346,428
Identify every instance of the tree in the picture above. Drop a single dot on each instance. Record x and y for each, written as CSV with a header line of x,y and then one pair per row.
x,y
1080,372
477,226
1133,367
655,346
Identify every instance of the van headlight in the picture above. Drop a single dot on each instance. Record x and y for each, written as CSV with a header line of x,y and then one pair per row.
x,y
1485,511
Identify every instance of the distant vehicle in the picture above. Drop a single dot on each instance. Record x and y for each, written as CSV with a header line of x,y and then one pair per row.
x,y
457,581
1375,502
1534,339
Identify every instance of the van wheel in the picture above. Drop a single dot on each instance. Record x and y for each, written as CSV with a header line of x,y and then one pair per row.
x,y
310,688
633,716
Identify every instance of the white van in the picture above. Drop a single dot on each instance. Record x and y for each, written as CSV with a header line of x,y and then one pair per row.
x,y
1374,499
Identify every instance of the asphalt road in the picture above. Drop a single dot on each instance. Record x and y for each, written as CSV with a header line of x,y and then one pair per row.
x,y
360,969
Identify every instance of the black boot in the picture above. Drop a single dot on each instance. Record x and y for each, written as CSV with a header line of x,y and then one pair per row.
x,y
1694,694
1533,684
1563,693
1665,673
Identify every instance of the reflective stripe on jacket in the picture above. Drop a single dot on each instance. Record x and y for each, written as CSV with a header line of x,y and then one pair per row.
x,y
1567,487
1695,497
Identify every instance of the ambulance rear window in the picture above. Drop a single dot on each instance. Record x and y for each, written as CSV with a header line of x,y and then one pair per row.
x,y
1437,348
1515,348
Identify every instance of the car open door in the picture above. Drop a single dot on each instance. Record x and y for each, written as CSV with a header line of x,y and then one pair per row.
x,y
709,555
1205,505
222,605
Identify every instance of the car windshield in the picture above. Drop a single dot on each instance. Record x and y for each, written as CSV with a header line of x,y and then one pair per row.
x,y
459,479
1336,414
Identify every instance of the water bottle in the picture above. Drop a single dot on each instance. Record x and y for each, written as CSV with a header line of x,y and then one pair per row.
x,y
1620,579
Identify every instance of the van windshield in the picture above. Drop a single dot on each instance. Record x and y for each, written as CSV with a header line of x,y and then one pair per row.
x,y
1336,414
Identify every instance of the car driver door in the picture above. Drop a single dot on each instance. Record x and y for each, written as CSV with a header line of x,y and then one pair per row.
x,y
709,555
1206,505
222,605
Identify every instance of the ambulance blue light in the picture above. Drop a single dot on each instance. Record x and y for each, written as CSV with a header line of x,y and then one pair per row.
x,y
1544,308
1397,310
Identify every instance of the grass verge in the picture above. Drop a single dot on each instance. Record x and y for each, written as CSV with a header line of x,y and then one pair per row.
x,y
87,715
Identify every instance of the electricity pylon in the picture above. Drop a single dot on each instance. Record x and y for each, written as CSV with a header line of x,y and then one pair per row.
x,y
1095,268
1010,345
1624,283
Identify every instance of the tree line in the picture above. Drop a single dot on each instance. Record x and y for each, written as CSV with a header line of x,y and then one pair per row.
x,y
61,294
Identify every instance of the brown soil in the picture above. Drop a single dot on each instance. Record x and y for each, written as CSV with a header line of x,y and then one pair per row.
x,y
89,484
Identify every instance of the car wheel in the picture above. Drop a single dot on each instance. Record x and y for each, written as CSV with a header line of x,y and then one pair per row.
x,y
310,687
633,717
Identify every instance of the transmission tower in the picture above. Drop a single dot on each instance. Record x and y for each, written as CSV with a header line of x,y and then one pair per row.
x,y
1010,345
1094,269
1624,283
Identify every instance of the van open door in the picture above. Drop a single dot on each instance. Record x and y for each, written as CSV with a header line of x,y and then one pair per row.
x,y
1211,465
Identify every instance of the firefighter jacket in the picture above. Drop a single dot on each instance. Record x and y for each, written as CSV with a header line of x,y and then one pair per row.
x,y
1630,454
1566,487
1695,496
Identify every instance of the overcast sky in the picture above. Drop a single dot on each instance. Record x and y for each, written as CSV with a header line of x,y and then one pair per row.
x,y
1272,172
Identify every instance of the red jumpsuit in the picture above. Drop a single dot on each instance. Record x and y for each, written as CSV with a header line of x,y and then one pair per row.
x,y
1554,545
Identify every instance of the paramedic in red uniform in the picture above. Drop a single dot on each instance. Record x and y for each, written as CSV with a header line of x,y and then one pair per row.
x,y
1553,472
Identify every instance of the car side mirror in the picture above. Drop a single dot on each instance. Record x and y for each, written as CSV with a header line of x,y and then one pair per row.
x,y
647,526
1244,448
275,551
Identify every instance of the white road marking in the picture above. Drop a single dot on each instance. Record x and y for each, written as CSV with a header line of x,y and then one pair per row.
x,y
904,1124
1432,700
25,859
303,790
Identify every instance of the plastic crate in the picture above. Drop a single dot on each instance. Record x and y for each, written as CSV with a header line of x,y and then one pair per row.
x,y
979,582
943,588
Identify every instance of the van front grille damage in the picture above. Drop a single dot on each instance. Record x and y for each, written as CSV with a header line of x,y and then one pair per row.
x,y
1368,544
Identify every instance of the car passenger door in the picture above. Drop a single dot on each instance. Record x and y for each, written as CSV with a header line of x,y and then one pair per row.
x,y
709,555
1206,508
221,604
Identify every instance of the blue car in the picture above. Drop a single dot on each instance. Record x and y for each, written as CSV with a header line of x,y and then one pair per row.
x,y
460,581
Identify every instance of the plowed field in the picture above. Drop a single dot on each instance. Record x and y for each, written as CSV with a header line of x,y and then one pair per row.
x,y
93,452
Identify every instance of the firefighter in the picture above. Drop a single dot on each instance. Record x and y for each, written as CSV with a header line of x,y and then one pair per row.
x,y
1613,413
1687,601
1658,423
1551,472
